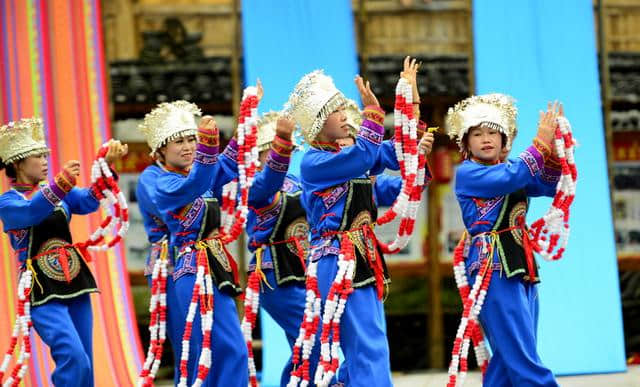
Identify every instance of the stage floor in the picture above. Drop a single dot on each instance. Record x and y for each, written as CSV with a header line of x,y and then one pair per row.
x,y
631,378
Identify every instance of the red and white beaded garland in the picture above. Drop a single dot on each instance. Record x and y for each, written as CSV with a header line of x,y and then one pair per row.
x,y
228,208
203,296
21,328
203,289
234,218
247,160
206,317
112,199
335,303
334,306
251,305
472,305
550,233
300,375
158,318
412,169
473,331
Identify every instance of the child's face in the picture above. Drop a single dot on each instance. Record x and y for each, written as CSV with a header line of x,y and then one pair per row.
x,y
335,127
485,143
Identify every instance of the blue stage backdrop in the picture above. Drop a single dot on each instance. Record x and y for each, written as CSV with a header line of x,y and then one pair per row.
x,y
283,40
538,51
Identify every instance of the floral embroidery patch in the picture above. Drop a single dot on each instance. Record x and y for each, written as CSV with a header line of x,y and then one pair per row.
x,y
331,195
190,212
485,206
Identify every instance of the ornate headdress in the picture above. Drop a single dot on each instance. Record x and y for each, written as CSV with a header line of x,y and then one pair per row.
x,y
493,110
354,116
266,130
169,121
313,99
22,139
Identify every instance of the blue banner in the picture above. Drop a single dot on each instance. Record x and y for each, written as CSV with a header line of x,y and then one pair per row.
x,y
539,51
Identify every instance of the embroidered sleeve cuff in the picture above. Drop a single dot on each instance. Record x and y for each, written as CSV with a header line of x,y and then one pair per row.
x,y
552,170
210,138
206,155
553,162
533,159
550,175
208,145
372,129
59,187
280,154
281,146
543,148
375,114
231,150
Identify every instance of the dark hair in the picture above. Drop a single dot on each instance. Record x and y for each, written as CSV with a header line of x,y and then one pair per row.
x,y
10,170
158,155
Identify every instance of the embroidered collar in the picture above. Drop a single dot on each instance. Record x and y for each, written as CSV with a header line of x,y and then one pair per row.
x,y
326,146
478,161
24,189
183,172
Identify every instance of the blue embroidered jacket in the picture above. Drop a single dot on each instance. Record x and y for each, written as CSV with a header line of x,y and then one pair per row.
x,y
25,206
495,198
154,226
180,199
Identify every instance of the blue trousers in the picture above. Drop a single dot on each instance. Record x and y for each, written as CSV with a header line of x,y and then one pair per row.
x,y
509,318
228,348
285,304
363,336
66,327
174,319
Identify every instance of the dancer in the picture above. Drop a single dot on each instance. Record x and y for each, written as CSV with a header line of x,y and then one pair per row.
x,y
184,198
493,196
341,208
158,236
36,216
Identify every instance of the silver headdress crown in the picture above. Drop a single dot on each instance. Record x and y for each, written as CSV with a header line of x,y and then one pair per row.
x,y
313,99
22,139
493,110
168,121
267,130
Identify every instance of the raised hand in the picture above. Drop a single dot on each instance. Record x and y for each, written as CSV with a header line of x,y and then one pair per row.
x,y
207,124
366,94
285,127
426,143
548,122
260,89
115,150
208,133
410,73
72,167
